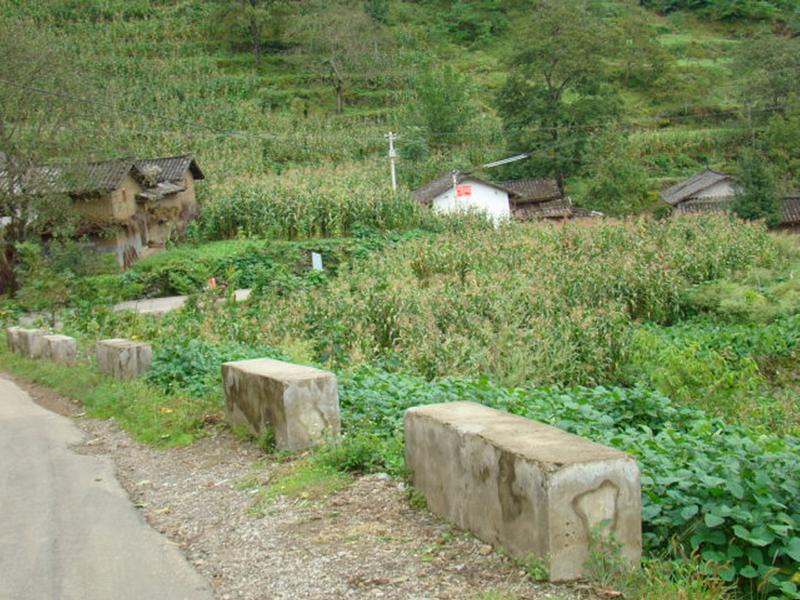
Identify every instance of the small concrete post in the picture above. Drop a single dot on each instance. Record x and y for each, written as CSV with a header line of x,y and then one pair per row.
x,y
123,359
60,348
300,404
29,342
12,338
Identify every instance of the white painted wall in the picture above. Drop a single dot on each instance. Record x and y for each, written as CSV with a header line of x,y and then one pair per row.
x,y
492,201
721,189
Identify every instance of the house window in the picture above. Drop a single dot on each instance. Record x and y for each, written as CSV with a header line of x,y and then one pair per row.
x,y
124,196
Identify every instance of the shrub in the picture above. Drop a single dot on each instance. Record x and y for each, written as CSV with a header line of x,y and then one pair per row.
x,y
191,366
728,369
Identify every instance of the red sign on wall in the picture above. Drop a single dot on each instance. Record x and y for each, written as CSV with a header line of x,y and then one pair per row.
x,y
463,189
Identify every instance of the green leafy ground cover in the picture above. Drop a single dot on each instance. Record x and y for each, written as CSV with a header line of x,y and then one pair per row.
x,y
723,490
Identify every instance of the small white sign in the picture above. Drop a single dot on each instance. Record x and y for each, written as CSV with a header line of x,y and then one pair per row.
x,y
316,261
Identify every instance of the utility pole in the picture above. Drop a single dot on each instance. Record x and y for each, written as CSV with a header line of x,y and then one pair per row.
x,y
392,157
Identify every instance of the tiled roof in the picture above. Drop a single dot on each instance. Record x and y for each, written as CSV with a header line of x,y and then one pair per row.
x,y
534,189
689,187
101,176
89,178
171,167
578,211
791,209
705,205
426,193
160,191
555,209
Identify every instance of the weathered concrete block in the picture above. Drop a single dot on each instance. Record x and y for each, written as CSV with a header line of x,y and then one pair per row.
x,y
522,485
60,348
29,342
12,338
123,358
300,404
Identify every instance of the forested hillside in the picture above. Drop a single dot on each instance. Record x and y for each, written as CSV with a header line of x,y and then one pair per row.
x,y
616,98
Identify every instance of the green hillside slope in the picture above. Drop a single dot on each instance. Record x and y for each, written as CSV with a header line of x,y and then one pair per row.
x,y
169,76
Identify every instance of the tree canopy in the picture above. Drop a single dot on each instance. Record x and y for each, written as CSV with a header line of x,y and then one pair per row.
x,y
558,88
756,193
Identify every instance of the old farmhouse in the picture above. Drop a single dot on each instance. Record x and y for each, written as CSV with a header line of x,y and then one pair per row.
x,y
710,191
706,191
541,198
126,206
521,199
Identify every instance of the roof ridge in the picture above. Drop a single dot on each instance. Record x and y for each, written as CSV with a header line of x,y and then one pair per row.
x,y
185,155
110,160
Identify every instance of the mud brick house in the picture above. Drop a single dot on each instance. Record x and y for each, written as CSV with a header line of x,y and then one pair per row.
x,y
126,206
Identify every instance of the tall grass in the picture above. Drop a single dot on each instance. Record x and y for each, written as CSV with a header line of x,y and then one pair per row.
x,y
309,204
523,303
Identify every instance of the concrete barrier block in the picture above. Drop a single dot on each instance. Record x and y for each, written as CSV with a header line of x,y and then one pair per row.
x,y
123,359
60,348
524,486
29,342
300,404
12,338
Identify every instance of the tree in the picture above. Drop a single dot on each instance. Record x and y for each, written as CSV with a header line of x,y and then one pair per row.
x,y
756,194
781,137
618,183
251,24
770,66
442,105
557,90
343,44
44,140
471,21
642,60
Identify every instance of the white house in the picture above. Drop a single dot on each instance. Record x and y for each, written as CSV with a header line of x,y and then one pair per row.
x,y
454,192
